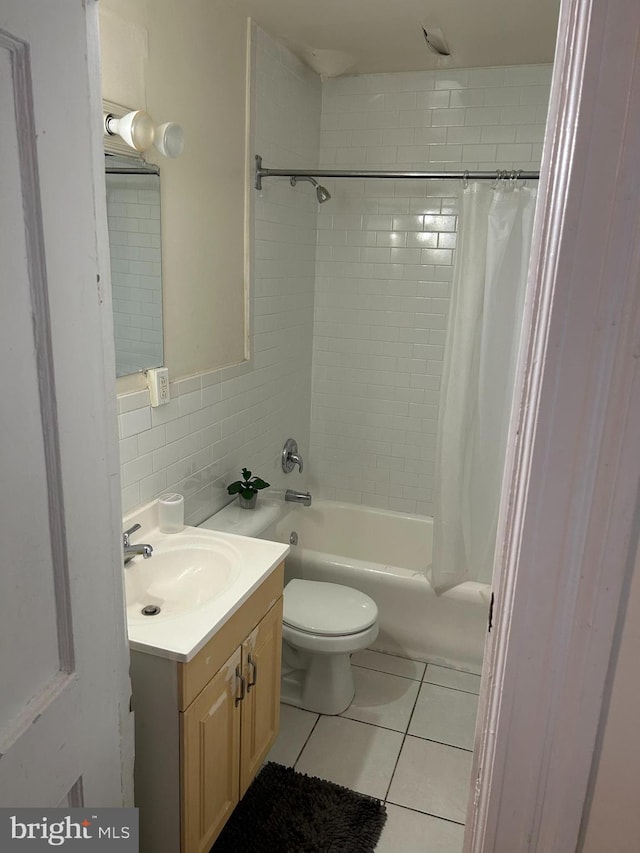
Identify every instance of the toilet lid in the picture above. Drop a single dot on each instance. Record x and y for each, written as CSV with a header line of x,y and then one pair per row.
x,y
327,608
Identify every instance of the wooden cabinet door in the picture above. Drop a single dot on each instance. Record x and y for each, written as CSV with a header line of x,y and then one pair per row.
x,y
261,655
210,743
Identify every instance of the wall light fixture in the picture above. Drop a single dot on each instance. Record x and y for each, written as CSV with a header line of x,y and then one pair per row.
x,y
136,129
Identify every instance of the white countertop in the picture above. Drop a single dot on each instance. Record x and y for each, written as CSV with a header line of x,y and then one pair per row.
x,y
180,637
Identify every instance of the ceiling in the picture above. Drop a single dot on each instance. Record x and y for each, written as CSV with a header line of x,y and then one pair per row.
x,y
372,36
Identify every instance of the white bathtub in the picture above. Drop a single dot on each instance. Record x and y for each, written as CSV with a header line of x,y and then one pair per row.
x,y
384,554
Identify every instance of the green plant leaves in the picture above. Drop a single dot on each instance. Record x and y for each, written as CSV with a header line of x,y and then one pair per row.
x,y
247,487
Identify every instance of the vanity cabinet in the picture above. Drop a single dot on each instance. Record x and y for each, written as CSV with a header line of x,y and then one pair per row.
x,y
196,759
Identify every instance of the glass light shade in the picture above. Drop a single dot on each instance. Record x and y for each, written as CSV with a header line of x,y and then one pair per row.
x,y
135,128
169,139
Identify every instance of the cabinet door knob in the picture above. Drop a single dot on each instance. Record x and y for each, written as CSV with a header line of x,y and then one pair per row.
x,y
254,676
241,678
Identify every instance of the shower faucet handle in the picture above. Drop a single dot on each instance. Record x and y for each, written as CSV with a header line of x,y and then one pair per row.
x,y
291,457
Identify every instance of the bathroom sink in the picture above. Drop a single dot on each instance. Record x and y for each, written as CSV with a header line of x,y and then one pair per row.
x,y
182,576
191,584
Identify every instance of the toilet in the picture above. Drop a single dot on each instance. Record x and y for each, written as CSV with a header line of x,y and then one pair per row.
x,y
323,625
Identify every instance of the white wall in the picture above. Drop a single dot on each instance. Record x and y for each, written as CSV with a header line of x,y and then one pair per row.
x,y
384,264
186,62
220,421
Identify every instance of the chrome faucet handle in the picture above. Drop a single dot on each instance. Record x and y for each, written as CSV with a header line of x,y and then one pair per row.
x,y
127,534
291,457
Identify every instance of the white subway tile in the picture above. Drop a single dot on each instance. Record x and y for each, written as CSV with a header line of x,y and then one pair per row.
x,y
431,135
504,96
131,402
165,456
487,77
483,115
505,133
189,402
528,133
151,439
130,497
452,79
165,413
152,486
517,115
135,422
449,117
441,99
353,121
137,469
516,153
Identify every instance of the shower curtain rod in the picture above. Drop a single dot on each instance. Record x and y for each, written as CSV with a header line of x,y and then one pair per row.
x,y
498,174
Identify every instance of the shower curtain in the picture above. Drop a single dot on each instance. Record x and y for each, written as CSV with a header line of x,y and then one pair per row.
x,y
485,316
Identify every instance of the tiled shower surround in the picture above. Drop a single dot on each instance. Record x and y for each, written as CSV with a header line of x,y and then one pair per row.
x,y
376,262
384,264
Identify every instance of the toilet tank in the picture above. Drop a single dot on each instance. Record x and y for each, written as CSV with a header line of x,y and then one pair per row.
x,y
259,522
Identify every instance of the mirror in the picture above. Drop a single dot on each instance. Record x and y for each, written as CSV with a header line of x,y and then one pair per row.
x,y
133,213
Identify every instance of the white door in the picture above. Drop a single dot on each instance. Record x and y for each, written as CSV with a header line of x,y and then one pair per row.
x,y
64,723
570,515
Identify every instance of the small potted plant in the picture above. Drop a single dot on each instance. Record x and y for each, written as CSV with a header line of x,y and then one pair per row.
x,y
247,489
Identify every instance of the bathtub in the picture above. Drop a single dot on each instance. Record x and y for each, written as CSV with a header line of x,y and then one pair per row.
x,y
384,554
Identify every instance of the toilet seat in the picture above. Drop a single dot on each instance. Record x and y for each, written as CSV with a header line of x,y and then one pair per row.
x,y
327,609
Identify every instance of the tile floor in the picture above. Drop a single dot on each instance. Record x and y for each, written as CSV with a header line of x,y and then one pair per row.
x,y
406,739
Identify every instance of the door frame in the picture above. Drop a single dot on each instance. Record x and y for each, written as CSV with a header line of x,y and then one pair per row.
x,y
570,514
107,401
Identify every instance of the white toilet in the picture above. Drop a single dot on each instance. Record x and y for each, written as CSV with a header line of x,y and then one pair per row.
x,y
323,624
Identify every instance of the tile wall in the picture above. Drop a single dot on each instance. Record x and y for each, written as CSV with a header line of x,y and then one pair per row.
x,y
220,421
384,264
133,209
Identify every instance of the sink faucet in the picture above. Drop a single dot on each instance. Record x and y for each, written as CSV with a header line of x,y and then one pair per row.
x,y
131,551
298,497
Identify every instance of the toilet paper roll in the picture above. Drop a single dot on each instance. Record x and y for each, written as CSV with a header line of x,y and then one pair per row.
x,y
171,513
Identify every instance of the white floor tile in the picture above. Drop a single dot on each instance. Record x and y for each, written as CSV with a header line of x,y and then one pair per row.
x,y
353,754
392,664
448,716
432,778
295,728
411,832
382,699
452,678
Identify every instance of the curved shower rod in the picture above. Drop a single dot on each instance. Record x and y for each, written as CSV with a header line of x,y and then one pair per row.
x,y
497,175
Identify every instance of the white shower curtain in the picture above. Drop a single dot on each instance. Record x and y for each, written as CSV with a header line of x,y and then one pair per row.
x,y
485,316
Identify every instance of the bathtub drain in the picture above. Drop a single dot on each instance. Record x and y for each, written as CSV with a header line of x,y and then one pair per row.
x,y
150,610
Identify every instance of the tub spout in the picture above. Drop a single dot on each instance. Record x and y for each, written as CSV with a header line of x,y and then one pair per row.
x,y
303,498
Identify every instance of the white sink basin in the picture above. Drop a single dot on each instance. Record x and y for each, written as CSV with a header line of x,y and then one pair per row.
x,y
179,577
197,578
